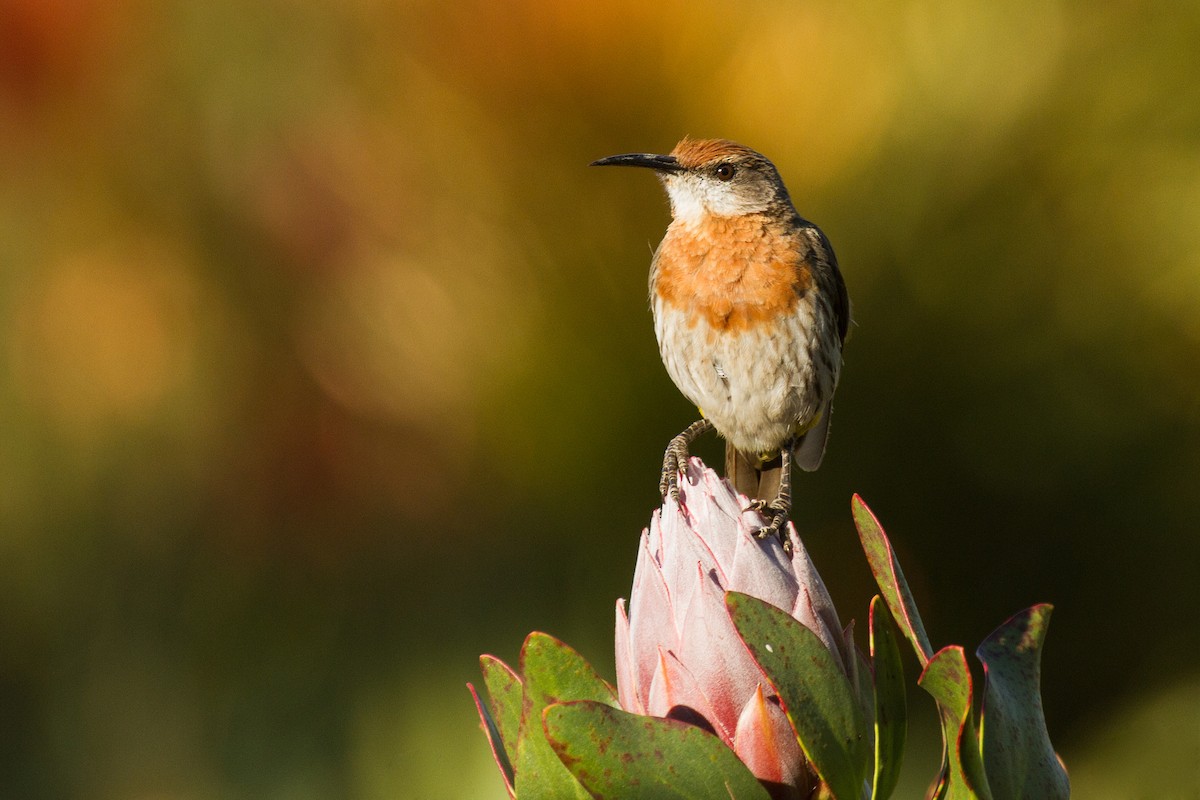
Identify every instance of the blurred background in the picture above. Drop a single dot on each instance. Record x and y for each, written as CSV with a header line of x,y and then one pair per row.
x,y
326,364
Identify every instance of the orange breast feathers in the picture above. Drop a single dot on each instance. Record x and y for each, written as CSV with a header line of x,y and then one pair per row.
x,y
732,272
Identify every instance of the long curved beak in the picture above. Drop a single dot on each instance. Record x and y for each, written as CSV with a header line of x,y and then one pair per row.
x,y
659,163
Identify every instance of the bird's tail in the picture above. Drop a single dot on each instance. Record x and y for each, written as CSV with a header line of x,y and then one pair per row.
x,y
759,479
751,476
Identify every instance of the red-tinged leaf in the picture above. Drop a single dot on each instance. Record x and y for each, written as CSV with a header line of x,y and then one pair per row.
x,y
623,756
938,790
812,688
891,704
1017,752
504,699
551,672
890,578
556,672
499,753
948,679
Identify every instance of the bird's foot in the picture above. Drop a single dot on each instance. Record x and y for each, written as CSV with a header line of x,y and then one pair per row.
x,y
777,510
777,513
668,484
676,458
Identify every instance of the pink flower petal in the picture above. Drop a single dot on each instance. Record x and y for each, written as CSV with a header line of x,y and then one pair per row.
x,y
651,618
682,550
715,654
715,512
655,531
674,687
761,569
813,606
767,744
658,698
627,686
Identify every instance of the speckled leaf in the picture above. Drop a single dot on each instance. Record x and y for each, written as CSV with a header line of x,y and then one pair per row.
x,y
890,578
557,672
813,690
1017,752
948,679
891,705
504,698
623,756
551,672
495,741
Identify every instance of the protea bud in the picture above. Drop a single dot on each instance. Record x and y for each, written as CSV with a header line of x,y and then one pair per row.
x,y
678,653
736,680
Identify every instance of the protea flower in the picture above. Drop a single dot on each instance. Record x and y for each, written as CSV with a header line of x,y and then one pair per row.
x,y
678,654
719,621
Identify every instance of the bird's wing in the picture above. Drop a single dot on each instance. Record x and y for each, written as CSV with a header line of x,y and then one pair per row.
x,y
811,448
841,298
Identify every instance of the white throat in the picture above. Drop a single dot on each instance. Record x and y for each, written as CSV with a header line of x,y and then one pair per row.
x,y
694,197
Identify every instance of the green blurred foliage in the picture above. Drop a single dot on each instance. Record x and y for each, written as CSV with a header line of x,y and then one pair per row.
x,y
327,364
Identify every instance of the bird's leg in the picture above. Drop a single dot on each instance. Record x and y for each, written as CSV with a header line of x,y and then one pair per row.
x,y
676,457
782,504
770,470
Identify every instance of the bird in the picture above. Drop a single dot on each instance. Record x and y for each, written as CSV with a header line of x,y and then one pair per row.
x,y
751,315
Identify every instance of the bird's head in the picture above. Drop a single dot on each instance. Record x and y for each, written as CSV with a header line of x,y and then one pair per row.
x,y
714,177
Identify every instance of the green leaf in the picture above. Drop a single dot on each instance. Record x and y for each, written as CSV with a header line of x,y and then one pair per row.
x,y
864,684
948,679
552,672
891,705
504,698
499,752
890,578
616,754
557,672
1017,752
813,690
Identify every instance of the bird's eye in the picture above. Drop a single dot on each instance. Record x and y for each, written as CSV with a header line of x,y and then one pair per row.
x,y
724,172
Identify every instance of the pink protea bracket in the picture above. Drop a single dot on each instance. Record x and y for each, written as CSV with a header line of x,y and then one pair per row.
x,y
675,692
767,744
627,679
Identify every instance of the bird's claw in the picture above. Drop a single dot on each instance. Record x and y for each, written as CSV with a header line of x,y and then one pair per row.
x,y
668,485
778,514
673,463
676,458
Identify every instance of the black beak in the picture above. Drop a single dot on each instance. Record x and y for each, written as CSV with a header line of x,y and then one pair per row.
x,y
659,163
